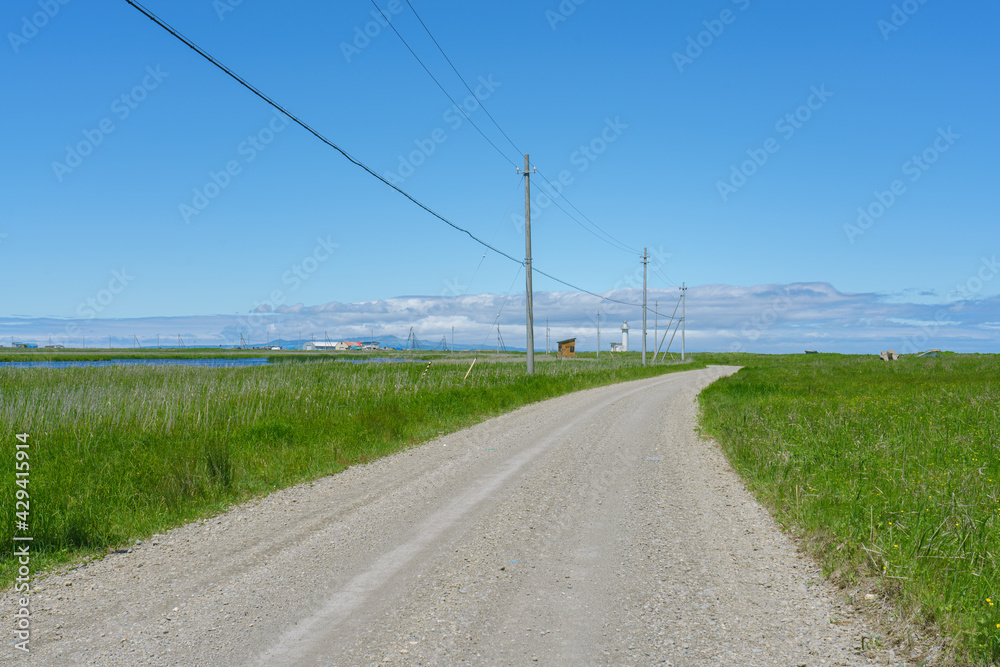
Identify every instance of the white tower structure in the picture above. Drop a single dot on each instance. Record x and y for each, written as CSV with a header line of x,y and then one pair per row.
x,y
625,336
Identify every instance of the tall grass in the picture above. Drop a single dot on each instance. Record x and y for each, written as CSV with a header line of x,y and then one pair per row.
x,y
122,452
894,466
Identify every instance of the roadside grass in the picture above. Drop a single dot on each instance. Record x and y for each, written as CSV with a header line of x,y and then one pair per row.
x,y
893,469
119,453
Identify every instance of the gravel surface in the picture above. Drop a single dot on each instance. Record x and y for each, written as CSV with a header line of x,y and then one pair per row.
x,y
591,529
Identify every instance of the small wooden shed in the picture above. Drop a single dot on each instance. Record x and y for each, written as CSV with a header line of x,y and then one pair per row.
x,y
567,348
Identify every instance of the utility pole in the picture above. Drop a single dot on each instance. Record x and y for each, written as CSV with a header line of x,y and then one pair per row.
x,y
645,262
598,334
656,324
527,264
452,339
683,318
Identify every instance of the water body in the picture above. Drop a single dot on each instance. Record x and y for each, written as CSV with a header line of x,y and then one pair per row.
x,y
212,363
215,363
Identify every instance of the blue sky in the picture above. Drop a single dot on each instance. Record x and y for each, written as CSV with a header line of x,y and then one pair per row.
x,y
755,148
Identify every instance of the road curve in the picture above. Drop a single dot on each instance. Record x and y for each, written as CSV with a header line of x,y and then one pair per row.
x,y
595,528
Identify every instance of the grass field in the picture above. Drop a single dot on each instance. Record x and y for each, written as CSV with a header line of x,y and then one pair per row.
x,y
117,453
892,471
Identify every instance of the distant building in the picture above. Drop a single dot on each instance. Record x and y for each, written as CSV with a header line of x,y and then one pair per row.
x,y
616,347
338,346
318,345
567,348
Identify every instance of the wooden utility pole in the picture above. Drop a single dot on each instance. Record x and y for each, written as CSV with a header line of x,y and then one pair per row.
x,y
645,262
683,318
527,265
598,334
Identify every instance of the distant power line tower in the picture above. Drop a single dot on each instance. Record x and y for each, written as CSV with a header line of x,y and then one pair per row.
x,y
412,342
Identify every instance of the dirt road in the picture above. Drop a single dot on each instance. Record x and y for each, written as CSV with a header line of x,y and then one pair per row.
x,y
591,529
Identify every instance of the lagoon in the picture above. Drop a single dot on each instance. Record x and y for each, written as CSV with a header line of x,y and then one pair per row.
x,y
217,363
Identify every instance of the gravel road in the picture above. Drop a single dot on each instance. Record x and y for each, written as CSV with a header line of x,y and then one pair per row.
x,y
592,529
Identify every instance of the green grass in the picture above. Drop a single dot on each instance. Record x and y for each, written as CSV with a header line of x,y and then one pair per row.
x,y
122,452
892,470
96,354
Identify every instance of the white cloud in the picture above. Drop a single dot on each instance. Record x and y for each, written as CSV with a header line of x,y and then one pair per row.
x,y
765,318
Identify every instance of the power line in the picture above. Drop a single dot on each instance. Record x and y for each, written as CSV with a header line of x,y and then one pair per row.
x,y
309,128
483,258
665,276
610,240
457,105
455,70
496,320
585,291
204,54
